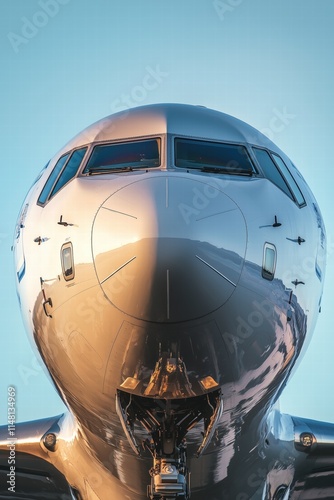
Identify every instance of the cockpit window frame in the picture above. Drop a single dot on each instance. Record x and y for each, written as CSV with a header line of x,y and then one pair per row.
x,y
55,176
129,140
290,189
62,179
289,178
218,170
44,195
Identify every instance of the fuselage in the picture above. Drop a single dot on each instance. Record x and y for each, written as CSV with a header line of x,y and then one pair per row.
x,y
170,282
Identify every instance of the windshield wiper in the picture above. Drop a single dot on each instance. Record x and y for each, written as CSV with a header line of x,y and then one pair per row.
x,y
126,168
93,171
224,170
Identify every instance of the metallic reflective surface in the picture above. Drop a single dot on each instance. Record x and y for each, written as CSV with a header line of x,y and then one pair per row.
x,y
139,230
161,328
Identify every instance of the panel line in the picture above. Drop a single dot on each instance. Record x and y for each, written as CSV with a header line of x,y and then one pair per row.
x,y
118,269
117,212
217,213
216,270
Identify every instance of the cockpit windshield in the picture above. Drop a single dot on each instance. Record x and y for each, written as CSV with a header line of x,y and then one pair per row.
x,y
124,156
213,157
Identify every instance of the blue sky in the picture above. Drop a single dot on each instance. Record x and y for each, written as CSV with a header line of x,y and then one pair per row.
x,y
67,63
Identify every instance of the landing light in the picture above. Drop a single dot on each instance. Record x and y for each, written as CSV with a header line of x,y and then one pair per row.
x,y
307,439
50,441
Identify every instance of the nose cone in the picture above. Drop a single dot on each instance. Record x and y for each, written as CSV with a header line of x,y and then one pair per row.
x,y
168,249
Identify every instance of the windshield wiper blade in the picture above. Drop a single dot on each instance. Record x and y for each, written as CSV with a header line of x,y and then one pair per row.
x,y
224,170
93,171
126,168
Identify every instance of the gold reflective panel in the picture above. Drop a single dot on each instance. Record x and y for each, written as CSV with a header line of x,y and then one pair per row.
x,y
130,383
208,383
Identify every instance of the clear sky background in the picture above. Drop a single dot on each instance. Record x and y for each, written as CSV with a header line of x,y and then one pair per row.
x,y
67,63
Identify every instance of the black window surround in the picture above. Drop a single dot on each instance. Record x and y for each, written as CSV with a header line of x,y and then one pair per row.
x,y
122,156
65,170
212,156
275,169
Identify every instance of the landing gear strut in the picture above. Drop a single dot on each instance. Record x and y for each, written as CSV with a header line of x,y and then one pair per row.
x,y
167,423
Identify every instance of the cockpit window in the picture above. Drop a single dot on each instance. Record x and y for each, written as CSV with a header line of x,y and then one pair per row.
x,y
70,169
290,180
213,157
65,169
124,156
52,179
277,172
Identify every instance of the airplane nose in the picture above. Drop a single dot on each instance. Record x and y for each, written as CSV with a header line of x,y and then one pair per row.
x,y
168,249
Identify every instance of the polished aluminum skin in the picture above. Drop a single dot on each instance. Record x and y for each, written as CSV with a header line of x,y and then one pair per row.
x,y
165,337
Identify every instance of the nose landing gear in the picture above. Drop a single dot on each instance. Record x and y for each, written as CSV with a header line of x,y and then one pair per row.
x,y
167,422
